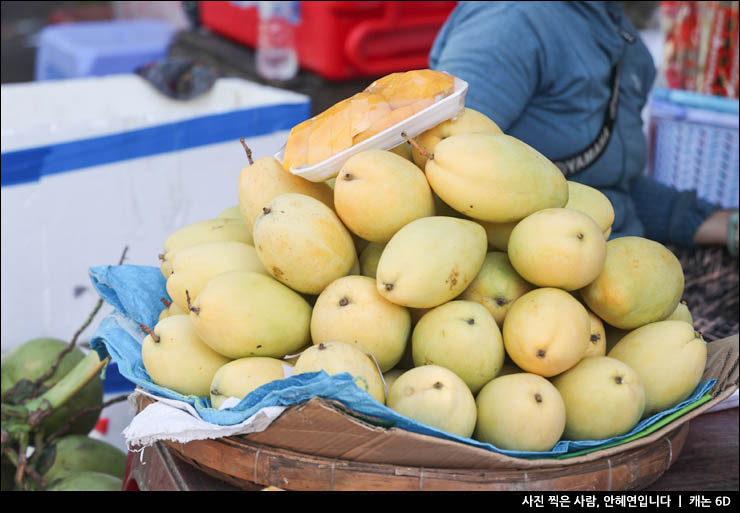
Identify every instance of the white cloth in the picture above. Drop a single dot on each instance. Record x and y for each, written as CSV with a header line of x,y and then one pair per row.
x,y
177,421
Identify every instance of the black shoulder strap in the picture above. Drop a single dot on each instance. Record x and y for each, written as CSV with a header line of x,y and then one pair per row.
x,y
583,159
578,162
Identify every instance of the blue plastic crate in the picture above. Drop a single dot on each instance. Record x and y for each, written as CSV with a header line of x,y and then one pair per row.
x,y
99,48
695,145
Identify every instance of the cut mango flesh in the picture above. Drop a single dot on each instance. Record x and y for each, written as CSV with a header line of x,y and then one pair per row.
x,y
401,89
383,104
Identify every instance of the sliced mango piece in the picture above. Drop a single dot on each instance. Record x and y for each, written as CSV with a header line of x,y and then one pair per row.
x,y
319,140
386,102
341,128
392,118
366,109
296,149
401,89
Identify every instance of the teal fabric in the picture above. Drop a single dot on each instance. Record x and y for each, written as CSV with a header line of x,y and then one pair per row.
x,y
135,293
541,71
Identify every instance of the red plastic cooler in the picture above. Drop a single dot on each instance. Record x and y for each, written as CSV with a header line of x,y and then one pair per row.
x,y
345,40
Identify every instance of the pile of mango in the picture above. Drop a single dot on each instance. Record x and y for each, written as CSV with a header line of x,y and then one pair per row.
x,y
459,278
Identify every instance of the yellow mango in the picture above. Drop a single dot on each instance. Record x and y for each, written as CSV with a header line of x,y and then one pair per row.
x,y
351,310
469,120
266,179
450,334
557,247
435,396
498,234
494,177
546,331
603,398
193,267
593,203
369,259
243,313
378,192
302,243
641,282
430,261
338,357
520,412
239,378
669,357
497,286
175,357
209,230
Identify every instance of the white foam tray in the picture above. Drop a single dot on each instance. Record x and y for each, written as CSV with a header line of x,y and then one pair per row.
x,y
444,109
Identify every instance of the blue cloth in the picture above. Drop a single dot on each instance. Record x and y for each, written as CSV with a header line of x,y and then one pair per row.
x,y
136,291
541,71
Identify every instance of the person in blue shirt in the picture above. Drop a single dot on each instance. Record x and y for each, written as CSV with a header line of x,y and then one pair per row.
x,y
547,73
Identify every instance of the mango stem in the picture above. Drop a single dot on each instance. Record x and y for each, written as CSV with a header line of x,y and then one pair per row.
x,y
422,151
246,148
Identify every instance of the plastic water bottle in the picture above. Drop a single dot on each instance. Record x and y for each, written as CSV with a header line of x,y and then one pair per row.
x,y
276,52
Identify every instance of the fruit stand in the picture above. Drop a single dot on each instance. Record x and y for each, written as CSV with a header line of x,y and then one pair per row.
x,y
367,318
342,435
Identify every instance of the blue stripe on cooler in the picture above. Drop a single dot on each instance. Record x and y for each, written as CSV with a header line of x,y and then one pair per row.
x,y
29,165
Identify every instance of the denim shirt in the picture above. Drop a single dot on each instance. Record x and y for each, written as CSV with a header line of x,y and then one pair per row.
x,y
542,70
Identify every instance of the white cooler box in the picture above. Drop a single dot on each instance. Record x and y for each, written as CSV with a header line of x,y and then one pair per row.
x,y
92,165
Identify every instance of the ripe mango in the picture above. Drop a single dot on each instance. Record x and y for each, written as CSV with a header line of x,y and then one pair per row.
x,y
593,203
302,243
243,313
469,120
378,192
597,339
240,377
603,398
434,396
496,286
210,230
557,247
681,313
461,336
369,259
351,310
175,357
641,282
266,179
403,150
498,234
338,357
194,266
171,309
546,331
431,261
669,357
520,412
494,177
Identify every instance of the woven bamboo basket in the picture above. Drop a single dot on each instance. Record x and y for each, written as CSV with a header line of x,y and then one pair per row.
x,y
289,462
